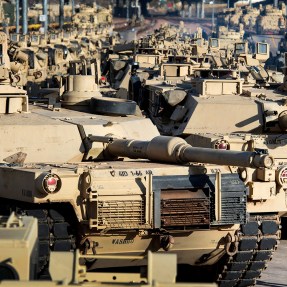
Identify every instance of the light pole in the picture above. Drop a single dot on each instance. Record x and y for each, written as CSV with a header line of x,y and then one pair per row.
x,y
212,3
202,9
24,17
61,14
73,7
128,9
45,16
17,16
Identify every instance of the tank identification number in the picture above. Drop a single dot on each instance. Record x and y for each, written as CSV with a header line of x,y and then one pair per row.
x,y
134,172
123,173
122,241
27,192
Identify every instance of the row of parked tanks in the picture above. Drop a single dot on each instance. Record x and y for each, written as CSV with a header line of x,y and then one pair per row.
x,y
263,20
170,144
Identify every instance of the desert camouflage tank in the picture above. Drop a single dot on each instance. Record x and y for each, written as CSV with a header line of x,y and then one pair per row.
x,y
249,18
71,170
92,17
234,19
228,36
36,10
272,21
171,63
262,20
40,63
231,61
19,247
223,17
282,45
222,114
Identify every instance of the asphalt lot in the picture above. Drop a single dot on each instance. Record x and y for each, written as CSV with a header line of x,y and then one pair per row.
x,y
276,273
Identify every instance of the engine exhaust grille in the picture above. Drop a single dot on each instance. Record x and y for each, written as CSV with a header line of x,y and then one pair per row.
x,y
121,214
184,208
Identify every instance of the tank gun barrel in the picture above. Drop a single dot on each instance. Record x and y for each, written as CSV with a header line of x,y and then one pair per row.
x,y
176,150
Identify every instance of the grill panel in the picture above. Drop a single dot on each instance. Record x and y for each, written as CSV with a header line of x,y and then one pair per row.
x,y
185,208
121,214
184,212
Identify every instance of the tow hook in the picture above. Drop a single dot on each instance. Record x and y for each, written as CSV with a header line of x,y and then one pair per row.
x,y
166,242
231,244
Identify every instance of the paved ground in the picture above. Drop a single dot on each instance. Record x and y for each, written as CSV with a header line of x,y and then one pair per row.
x,y
276,273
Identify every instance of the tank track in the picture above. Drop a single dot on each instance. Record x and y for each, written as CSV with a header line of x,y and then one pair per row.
x,y
54,234
56,229
248,256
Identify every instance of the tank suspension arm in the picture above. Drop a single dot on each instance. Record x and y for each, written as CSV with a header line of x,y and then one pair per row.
x,y
176,150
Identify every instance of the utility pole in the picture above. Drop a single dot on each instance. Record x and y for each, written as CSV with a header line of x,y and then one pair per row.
x,y
17,16
61,14
24,17
276,3
197,9
45,16
73,7
202,9
128,9
212,3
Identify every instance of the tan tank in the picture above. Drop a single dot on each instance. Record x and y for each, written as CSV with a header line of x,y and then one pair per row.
x,y
262,20
228,37
166,63
272,21
19,247
92,17
71,170
249,18
234,19
41,63
181,113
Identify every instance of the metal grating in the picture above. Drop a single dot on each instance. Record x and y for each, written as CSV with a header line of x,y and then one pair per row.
x,y
185,212
233,201
121,214
234,210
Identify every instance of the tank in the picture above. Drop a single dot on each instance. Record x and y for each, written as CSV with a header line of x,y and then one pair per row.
x,y
272,21
110,185
249,19
261,20
171,61
41,62
229,36
19,248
